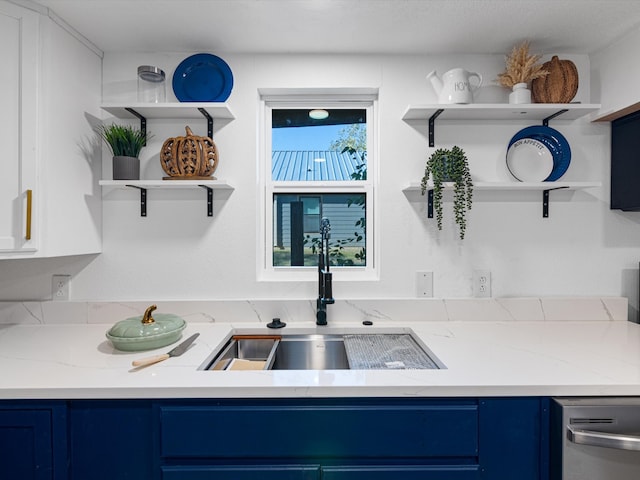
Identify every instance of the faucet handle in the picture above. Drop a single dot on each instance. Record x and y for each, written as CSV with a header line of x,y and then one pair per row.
x,y
321,317
327,298
325,227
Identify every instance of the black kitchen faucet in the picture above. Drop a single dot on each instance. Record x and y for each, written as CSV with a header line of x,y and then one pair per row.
x,y
325,294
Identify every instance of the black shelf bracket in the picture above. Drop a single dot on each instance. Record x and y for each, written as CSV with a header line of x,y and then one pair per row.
x,y
545,121
545,200
430,203
209,200
209,121
143,122
436,114
143,199
432,127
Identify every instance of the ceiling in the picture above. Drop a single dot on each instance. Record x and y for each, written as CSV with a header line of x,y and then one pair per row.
x,y
349,26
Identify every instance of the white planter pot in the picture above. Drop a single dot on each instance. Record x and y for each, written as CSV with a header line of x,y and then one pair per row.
x,y
520,94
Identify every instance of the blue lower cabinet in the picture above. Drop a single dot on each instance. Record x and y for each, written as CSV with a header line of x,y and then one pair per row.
x,y
354,439
414,472
514,438
315,472
347,429
276,439
112,439
26,444
265,472
32,441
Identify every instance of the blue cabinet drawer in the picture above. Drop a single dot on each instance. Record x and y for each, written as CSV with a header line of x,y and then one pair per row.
x,y
413,472
312,472
320,431
267,472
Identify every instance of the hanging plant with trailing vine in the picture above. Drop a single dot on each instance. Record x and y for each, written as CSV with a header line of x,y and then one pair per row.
x,y
450,166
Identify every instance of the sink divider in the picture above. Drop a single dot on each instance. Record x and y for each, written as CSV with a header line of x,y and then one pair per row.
x,y
231,356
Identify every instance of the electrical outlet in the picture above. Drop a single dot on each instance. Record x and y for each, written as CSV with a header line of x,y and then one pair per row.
x,y
60,287
424,284
481,283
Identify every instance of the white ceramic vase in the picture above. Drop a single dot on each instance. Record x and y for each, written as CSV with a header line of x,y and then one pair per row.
x,y
520,94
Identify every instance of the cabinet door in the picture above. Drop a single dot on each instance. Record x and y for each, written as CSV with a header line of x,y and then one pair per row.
x,y
625,168
26,444
18,125
514,438
111,440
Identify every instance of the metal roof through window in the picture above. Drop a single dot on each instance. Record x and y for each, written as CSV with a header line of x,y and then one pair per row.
x,y
319,165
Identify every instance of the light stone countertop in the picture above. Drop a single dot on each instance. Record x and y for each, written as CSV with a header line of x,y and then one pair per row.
x,y
499,358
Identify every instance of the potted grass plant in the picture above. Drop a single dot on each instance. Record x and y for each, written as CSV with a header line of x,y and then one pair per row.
x,y
521,69
450,166
125,143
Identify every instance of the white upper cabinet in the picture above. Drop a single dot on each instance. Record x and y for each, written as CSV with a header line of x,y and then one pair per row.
x,y
19,37
50,83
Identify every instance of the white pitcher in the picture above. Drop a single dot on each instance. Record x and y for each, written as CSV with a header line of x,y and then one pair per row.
x,y
455,85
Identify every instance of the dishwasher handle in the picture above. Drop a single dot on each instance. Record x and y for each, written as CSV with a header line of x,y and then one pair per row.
x,y
603,439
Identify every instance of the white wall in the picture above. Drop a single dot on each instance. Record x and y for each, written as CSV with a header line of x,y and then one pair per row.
x,y
178,253
615,74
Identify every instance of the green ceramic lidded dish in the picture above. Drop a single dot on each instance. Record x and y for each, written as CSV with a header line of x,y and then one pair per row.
x,y
146,332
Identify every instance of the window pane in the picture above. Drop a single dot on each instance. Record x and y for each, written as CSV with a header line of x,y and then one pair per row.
x,y
296,226
308,148
311,214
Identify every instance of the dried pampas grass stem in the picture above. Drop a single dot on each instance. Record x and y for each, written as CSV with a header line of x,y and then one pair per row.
x,y
521,67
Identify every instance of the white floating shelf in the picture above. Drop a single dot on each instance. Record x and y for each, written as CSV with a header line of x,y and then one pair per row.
x,y
517,186
214,184
544,187
144,185
211,112
170,110
499,111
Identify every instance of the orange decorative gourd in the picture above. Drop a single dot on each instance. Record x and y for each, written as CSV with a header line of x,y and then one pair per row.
x,y
189,158
560,86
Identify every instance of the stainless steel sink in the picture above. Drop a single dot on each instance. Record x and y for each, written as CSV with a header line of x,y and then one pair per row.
x,y
311,352
322,351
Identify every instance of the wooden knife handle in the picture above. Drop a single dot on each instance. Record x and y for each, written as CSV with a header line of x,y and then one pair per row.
x,y
150,360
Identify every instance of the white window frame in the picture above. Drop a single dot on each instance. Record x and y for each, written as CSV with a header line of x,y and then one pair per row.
x,y
313,98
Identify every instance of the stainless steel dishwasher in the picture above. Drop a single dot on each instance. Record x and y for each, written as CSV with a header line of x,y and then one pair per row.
x,y
595,438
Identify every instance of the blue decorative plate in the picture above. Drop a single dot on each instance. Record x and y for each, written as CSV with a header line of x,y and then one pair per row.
x,y
555,142
202,78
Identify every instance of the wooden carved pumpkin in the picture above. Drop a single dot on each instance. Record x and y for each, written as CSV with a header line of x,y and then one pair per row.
x,y
560,86
189,158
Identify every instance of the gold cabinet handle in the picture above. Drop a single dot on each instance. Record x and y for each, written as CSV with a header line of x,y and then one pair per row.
x,y
27,235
